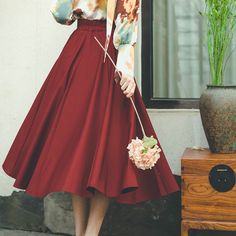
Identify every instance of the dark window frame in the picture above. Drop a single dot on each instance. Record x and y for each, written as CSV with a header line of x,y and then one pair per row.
x,y
147,68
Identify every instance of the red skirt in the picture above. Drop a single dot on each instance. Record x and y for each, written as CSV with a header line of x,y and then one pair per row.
x,y
75,135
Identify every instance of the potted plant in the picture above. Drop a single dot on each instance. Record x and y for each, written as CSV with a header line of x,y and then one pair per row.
x,y
218,102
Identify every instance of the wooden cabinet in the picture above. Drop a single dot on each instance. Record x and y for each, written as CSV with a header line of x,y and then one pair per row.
x,y
208,190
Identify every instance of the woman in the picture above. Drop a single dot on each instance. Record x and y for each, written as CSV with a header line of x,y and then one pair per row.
x,y
75,135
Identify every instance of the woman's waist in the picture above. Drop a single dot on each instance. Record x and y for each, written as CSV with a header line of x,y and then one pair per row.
x,y
91,24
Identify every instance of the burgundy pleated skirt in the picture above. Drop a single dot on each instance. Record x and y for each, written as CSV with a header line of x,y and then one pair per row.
x,y
75,135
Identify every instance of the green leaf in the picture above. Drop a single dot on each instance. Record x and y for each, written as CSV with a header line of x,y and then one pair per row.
x,y
149,142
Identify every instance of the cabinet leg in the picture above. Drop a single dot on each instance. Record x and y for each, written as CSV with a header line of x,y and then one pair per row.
x,y
184,230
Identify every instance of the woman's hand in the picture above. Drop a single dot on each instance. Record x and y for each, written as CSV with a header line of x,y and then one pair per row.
x,y
126,82
128,85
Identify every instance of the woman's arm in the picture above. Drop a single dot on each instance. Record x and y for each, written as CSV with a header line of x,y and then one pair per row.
x,y
125,34
62,11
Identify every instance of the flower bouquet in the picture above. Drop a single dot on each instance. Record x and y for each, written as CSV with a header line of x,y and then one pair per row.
x,y
145,152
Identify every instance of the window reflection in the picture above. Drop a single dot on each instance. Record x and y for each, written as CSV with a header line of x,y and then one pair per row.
x,y
180,59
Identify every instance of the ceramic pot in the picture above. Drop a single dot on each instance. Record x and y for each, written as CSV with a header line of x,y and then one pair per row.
x,y
218,114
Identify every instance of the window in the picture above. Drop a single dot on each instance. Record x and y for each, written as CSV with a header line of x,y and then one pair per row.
x,y
175,68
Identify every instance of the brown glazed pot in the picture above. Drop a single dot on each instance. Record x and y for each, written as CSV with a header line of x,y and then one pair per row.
x,y
218,113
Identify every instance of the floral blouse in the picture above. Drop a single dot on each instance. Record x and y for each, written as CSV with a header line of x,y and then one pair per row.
x,y
123,12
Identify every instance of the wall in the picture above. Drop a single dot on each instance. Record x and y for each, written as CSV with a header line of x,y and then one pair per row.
x,y
31,41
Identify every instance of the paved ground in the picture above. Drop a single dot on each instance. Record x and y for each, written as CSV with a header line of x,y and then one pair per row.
x,y
6,232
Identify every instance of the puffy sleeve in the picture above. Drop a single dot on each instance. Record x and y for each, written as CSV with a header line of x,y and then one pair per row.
x,y
63,11
125,34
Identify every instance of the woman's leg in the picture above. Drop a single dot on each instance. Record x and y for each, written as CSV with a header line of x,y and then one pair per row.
x,y
80,211
98,206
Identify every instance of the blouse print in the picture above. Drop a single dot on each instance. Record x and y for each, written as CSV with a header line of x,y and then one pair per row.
x,y
123,12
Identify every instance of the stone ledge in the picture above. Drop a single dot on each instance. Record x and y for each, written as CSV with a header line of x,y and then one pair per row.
x,y
20,211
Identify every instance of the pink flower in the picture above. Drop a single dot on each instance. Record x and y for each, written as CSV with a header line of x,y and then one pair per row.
x,y
144,153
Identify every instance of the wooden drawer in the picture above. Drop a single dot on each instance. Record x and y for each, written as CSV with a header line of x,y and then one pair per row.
x,y
197,162
201,201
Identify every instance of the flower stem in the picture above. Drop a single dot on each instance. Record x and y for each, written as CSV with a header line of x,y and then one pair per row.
x,y
144,134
